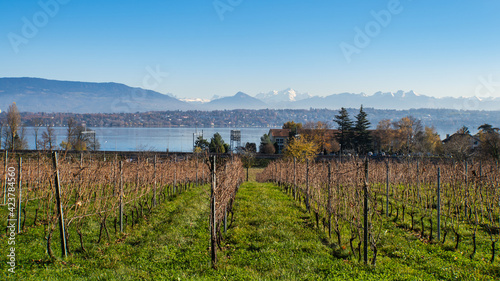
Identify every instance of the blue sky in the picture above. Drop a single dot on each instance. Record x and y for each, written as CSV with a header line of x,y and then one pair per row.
x,y
437,48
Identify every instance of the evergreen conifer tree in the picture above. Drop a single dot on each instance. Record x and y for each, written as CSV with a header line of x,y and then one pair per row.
x,y
345,127
362,137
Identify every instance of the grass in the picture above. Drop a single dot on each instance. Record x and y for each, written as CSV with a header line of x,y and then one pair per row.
x,y
252,173
168,244
271,237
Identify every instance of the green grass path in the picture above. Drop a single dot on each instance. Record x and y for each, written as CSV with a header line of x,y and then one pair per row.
x,y
272,239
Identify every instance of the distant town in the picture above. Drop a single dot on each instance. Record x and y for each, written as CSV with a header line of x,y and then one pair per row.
x,y
445,121
297,133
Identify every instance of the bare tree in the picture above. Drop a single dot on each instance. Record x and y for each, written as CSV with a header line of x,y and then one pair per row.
x,y
12,140
79,138
71,135
248,155
37,122
48,141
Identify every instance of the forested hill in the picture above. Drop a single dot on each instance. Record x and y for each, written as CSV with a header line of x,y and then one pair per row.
x,y
42,95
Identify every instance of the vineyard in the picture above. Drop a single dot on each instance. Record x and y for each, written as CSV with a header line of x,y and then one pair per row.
x,y
195,218
353,200
223,193
114,195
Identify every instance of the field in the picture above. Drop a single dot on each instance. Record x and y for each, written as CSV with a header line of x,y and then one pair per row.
x,y
271,234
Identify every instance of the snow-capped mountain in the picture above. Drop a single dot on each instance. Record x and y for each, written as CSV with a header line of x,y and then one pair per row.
x,y
195,100
288,95
399,100
398,94
42,95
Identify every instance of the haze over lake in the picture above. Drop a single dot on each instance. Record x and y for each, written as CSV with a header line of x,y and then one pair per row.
x,y
154,139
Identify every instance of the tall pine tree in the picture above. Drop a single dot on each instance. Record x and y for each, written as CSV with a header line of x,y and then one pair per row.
x,y
345,127
362,136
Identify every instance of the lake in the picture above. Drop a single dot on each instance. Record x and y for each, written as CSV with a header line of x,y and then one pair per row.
x,y
154,139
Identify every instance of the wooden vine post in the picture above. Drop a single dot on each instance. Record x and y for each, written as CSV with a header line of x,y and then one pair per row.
x,y
62,231
197,182
225,220
329,200
121,196
213,219
439,204
154,184
365,215
5,178
418,180
294,178
175,176
387,189
307,186
466,205
275,173
20,193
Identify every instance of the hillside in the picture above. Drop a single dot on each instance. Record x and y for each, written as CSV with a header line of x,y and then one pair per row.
x,y
42,95
238,101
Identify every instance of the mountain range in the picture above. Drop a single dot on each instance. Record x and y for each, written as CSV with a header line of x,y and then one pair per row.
x,y
42,95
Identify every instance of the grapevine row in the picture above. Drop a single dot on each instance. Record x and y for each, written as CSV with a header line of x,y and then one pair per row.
x,y
118,192
440,197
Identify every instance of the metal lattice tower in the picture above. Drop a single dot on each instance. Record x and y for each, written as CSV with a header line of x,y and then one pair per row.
x,y
235,139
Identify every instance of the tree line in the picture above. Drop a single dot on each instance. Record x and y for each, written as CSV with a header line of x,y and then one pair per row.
x,y
13,134
352,136
406,136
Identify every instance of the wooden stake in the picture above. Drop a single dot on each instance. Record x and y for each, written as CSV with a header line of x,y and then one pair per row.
x,y
62,231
